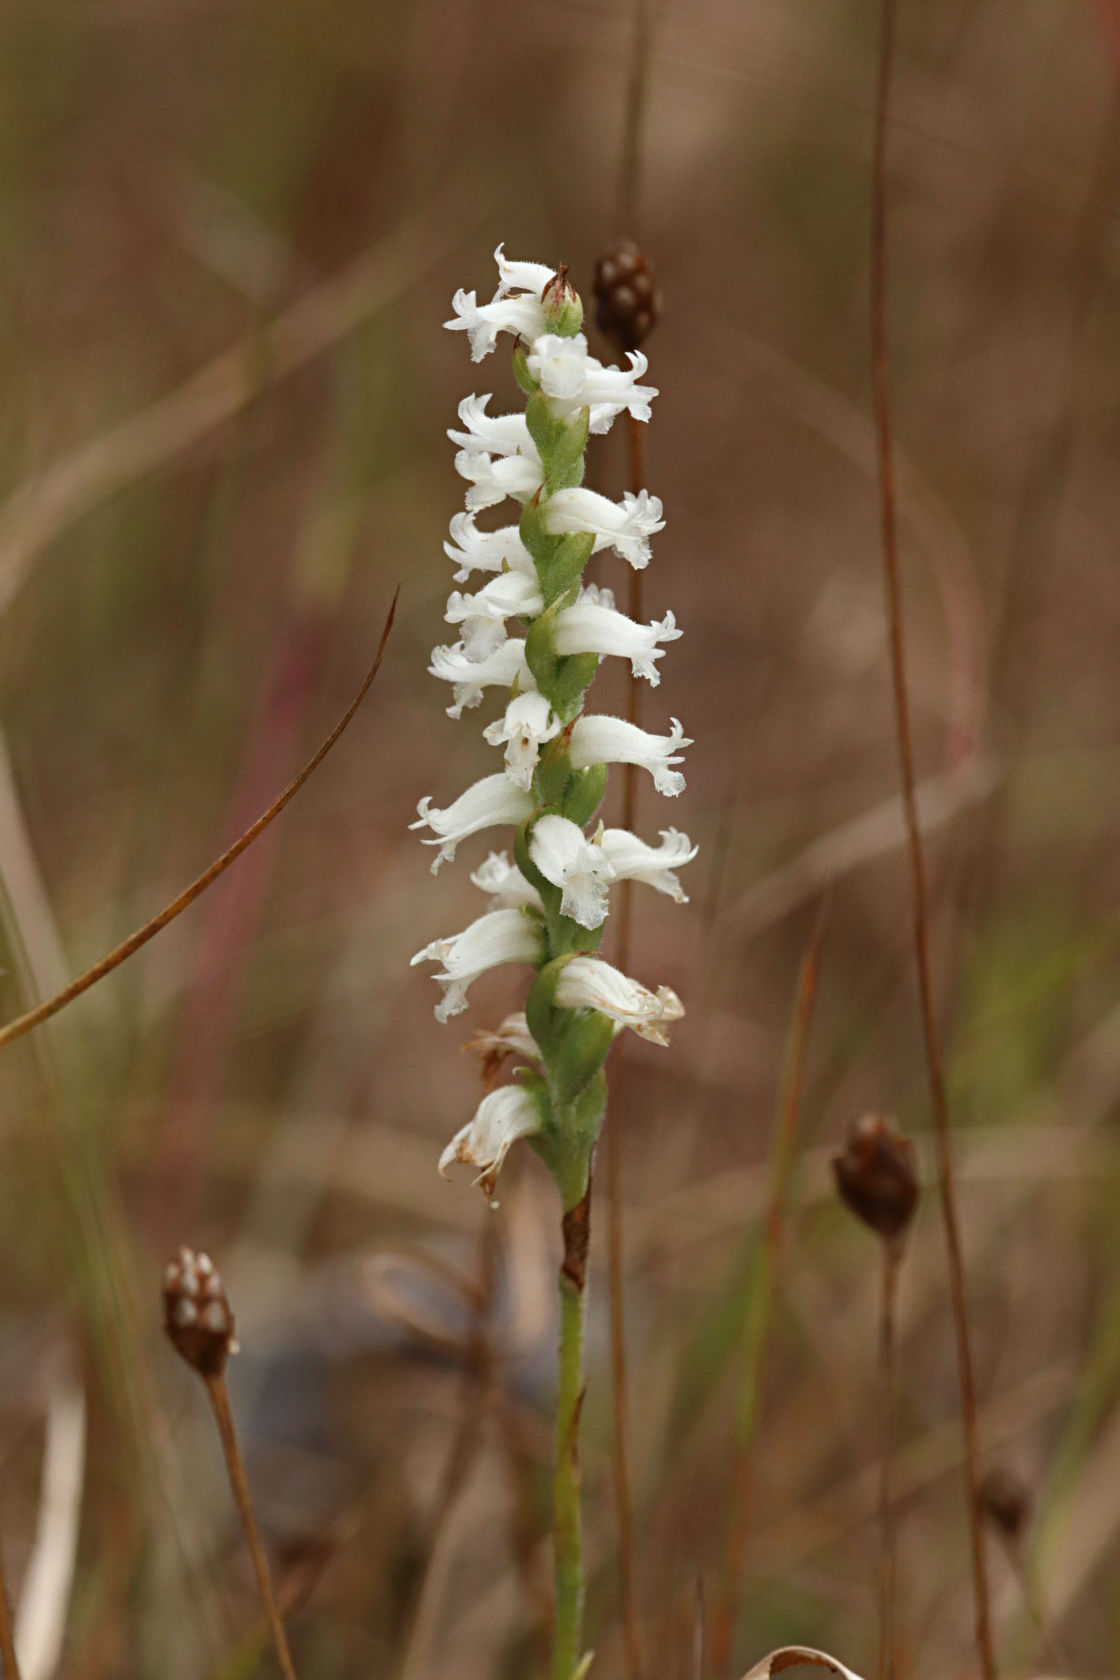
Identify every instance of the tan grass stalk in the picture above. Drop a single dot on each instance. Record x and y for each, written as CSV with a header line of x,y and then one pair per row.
x,y
931,1033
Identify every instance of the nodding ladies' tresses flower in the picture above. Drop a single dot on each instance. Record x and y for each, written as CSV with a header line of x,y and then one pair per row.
x,y
483,615
493,478
489,802
632,860
486,551
591,627
597,739
529,721
548,893
500,1119
576,380
590,983
625,526
503,667
501,936
578,866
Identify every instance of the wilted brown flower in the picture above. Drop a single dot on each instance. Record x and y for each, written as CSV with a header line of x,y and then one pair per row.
x,y
876,1175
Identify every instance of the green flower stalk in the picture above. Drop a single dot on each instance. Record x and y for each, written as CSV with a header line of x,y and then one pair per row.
x,y
549,902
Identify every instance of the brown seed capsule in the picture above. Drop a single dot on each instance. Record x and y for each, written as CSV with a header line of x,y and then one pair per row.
x,y
627,301
876,1175
196,1314
1005,1499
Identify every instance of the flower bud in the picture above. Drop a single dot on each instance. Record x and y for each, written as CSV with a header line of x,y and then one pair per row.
x,y
627,301
876,1175
563,308
196,1313
1005,1499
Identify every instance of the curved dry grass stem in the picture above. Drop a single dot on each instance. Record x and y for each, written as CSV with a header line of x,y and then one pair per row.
x,y
930,1029
239,1483
113,959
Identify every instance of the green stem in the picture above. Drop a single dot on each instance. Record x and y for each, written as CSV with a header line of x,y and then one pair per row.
x,y
567,1525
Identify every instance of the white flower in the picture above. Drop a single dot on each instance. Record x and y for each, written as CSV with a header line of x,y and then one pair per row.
x,y
633,860
486,551
501,936
500,1119
574,380
505,884
590,983
591,627
516,306
625,526
567,859
493,434
492,478
528,721
505,666
609,740
487,803
483,615
520,276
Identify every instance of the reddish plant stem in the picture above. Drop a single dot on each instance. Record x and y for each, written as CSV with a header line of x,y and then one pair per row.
x,y
930,1029
239,1483
615,1121
892,1261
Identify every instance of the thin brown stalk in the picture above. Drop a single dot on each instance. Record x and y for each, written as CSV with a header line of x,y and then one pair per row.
x,y
930,1029
637,88
615,1122
8,1657
892,1261
105,965
239,1483
759,1297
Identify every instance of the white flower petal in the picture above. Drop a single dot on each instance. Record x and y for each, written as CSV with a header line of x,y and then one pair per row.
x,y
493,434
483,614
596,739
505,883
625,526
590,983
634,860
501,668
528,722
486,551
492,478
570,861
500,936
487,803
590,627
520,276
482,322
500,1119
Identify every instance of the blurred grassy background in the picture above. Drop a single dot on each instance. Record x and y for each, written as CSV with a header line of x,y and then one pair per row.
x,y
229,235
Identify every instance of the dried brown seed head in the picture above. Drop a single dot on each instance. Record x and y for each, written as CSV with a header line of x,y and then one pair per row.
x,y
196,1313
627,301
1006,1501
877,1176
